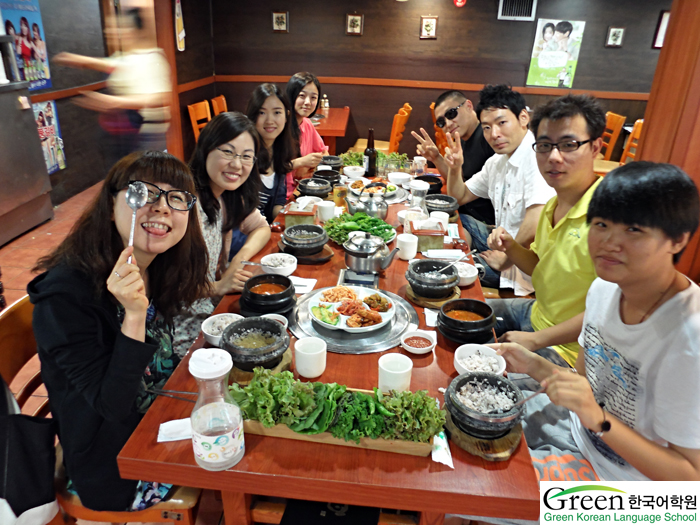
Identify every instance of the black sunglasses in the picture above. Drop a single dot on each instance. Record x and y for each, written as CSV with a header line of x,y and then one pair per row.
x,y
178,200
450,114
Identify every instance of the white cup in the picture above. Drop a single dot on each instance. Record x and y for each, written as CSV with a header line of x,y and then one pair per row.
x,y
408,246
310,356
395,372
326,210
441,216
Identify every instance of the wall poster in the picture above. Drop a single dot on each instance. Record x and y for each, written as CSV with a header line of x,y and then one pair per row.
x,y
50,135
22,20
555,53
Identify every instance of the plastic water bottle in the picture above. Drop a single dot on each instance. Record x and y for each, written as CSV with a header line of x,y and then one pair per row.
x,y
217,423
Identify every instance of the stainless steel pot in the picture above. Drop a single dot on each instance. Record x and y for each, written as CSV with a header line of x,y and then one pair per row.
x,y
367,254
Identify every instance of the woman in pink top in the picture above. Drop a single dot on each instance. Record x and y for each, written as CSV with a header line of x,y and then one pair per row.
x,y
304,92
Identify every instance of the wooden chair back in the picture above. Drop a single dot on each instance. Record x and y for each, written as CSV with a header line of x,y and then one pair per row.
x,y
218,105
198,112
440,138
630,151
398,127
613,127
19,363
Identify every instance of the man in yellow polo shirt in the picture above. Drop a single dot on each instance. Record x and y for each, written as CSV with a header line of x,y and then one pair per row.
x,y
568,134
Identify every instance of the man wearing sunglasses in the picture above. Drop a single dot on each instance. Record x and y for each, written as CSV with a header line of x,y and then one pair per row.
x,y
454,112
510,180
568,131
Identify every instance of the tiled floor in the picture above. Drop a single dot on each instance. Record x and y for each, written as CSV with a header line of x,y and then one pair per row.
x,y
19,256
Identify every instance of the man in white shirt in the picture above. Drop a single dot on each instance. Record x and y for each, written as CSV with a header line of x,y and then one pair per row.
x,y
510,179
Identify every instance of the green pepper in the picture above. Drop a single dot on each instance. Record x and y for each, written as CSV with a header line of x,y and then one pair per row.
x,y
350,226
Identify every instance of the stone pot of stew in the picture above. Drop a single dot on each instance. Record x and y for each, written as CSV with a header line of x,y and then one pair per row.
x,y
268,293
466,321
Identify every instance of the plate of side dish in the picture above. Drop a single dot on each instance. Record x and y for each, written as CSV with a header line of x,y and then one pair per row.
x,y
356,187
354,309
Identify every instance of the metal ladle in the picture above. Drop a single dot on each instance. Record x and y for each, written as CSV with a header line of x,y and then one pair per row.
x,y
136,197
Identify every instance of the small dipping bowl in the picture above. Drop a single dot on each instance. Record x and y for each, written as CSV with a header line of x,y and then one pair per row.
x,y
212,335
268,356
279,263
430,336
465,351
478,424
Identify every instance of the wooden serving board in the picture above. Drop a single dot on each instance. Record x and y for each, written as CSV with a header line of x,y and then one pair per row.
x,y
396,446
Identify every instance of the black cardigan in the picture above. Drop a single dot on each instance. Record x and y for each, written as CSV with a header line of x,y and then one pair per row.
x,y
92,373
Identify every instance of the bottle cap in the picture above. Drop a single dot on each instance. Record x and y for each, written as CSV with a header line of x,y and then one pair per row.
x,y
420,185
210,363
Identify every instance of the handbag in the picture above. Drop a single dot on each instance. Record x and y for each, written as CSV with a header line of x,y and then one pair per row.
x,y
27,463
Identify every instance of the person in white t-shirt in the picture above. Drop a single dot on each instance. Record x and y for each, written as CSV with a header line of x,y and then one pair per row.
x,y
634,401
510,179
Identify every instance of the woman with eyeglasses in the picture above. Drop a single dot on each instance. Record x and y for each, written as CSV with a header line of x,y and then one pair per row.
x,y
224,166
104,325
304,93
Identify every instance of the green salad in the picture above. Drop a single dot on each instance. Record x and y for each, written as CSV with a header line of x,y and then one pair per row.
x,y
339,227
356,158
312,408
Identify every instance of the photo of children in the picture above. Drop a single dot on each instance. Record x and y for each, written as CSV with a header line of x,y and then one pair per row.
x,y
50,135
555,53
23,22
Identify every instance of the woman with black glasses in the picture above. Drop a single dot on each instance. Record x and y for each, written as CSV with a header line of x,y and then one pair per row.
x,y
103,326
224,166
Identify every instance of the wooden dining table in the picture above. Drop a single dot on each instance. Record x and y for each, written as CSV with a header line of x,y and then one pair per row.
x,y
333,124
311,471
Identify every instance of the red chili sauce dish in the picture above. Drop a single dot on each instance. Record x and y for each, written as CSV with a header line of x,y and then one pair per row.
x,y
268,288
417,341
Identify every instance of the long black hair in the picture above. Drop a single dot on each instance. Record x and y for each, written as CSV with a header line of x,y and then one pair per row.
x,y
177,276
294,87
240,203
283,149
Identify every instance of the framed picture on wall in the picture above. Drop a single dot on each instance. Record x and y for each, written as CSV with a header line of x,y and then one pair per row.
x,y
280,21
615,36
354,24
428,27
661,30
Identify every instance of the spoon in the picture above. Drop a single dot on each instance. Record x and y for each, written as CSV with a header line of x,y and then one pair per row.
x,y
136,197
251,263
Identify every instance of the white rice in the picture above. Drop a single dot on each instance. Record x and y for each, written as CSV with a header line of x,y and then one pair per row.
x,y
278,260
484,397
314,184
478,362
217,326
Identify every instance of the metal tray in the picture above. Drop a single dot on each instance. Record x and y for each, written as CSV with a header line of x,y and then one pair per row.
x,y
341,342
400,196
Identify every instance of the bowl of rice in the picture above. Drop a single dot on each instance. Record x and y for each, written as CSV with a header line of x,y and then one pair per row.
x,y
214,326
482,404
478,358
279,263
353,172
467,273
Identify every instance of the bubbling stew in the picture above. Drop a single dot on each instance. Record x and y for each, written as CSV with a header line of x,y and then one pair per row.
x,y
464,315
268,288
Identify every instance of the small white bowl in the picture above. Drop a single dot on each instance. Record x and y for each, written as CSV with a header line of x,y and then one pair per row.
x,y
353,172
279,318
286,270
428,335
468,273
206,327
402,215
464,351
399,178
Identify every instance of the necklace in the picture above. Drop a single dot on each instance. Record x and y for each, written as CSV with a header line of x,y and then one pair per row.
x,y
658,301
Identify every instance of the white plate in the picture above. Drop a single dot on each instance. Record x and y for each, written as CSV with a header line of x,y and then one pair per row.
x,y
361,292
365,182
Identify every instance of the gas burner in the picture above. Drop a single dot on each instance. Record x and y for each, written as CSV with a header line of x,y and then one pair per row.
x,y
368,280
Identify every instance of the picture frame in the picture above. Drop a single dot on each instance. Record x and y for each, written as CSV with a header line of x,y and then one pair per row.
x,y
354,24
428,27
615,36
280,21
660,33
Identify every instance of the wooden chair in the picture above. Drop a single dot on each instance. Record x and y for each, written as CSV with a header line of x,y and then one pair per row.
x,y
601,167
397,128
613,127
199,111
218,105
440,138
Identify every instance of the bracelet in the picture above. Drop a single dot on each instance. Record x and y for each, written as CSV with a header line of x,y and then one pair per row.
x,y
605,425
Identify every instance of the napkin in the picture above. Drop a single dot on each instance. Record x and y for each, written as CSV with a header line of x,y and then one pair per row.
x,y
323,167
301,285
441,450
452,231
175,430
443,254
430,316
